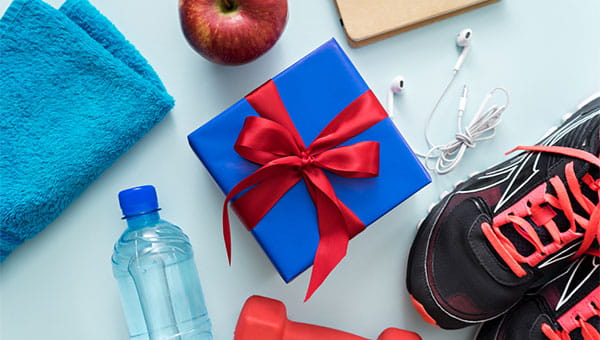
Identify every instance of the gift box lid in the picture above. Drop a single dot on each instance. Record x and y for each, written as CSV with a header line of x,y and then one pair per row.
x,y
314,90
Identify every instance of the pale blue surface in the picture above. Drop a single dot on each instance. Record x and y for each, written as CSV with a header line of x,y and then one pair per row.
x,y
546,53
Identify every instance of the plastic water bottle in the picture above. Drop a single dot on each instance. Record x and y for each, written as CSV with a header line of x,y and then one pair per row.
x,y
154,266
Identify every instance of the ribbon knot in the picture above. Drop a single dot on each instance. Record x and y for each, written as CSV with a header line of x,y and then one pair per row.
x,y
306,160
272,141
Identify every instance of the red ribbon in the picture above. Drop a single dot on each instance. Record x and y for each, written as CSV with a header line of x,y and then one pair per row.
x,y
273,141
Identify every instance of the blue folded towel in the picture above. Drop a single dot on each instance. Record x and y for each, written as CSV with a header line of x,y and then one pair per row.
x,y
74,96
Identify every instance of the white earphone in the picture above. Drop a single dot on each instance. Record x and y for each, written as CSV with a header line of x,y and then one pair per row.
x,y
397,86
463,39
482,127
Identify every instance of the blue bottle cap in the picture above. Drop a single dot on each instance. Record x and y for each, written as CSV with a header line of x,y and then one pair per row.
x,y
138,201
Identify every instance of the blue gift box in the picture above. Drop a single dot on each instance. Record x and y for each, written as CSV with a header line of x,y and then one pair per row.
x,y
314,90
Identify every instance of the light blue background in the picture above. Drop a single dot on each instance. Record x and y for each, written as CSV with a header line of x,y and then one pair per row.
x,y
60,286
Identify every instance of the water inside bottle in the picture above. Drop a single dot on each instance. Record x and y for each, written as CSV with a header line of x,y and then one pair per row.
x,y
159,284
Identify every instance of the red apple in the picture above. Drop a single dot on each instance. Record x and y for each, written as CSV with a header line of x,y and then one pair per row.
x,y
232,32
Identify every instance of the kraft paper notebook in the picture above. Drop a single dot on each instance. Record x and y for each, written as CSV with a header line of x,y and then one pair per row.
x,y
368,21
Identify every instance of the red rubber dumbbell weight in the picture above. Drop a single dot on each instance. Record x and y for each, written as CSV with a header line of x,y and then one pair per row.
x,y
266,319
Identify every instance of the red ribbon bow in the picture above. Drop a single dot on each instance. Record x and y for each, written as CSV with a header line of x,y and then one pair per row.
x,y
273,141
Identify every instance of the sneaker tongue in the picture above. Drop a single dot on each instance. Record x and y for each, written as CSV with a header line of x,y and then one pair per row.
x,y
540,215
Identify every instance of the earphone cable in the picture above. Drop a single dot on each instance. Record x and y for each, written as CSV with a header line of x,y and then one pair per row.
x,y
437,103
482,127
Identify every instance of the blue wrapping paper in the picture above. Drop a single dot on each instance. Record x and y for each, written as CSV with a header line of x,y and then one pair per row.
x,y
314,90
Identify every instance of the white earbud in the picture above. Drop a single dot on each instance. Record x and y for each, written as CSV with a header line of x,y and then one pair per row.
x,y
463,39
397,86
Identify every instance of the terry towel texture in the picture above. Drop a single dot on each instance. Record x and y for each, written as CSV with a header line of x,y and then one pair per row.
x,y
74,96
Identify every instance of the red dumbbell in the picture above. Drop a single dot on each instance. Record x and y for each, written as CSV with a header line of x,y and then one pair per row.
x,y
266,319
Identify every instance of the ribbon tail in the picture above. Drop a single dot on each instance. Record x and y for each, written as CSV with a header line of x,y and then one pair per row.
x,y
331,250
227,230
334,225
265,173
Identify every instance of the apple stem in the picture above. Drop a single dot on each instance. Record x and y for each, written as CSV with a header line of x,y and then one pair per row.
x,y
228,5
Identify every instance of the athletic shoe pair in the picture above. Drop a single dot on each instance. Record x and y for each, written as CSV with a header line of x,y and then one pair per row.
x,y
510,230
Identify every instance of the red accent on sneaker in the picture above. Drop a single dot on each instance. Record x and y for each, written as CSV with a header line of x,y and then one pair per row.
x,y
577,317
534,198
421,310
540,206
542,215
584,309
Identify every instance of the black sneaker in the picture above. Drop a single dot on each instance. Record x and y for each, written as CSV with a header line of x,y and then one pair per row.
x,y
566,309
507,229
